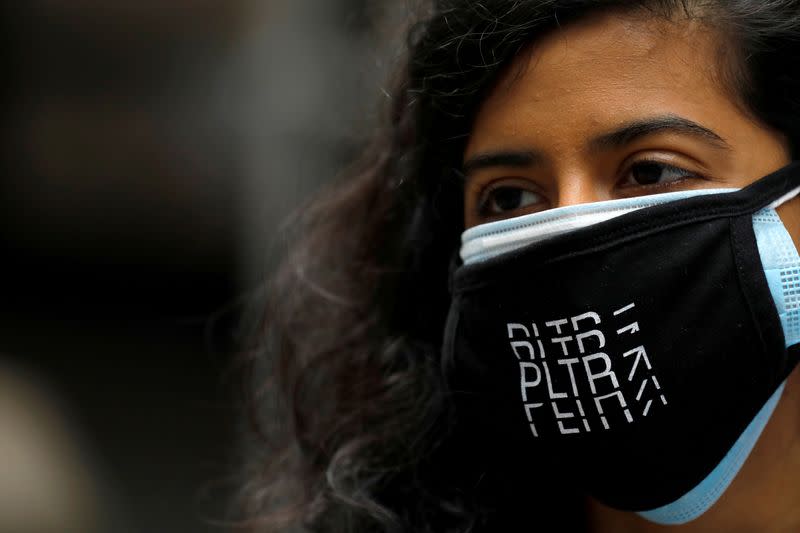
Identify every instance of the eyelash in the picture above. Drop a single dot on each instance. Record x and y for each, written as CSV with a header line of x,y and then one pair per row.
x,y
665,167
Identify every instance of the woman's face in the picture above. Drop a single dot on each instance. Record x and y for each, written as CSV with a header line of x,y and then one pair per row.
x,y
611,107
615,107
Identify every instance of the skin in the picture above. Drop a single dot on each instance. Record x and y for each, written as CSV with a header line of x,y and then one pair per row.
x,y
592,78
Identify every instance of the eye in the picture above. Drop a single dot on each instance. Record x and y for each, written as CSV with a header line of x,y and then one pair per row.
x,y
505,199
649,173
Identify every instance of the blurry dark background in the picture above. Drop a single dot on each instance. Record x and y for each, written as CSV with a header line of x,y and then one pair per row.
x,y
151,150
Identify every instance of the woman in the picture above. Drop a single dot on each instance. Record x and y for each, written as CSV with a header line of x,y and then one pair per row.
x,y
612,357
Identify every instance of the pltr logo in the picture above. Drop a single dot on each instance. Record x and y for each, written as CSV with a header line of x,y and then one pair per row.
x,y
566,366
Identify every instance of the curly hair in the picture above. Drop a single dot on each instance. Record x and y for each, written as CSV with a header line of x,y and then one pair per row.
x,y
357,430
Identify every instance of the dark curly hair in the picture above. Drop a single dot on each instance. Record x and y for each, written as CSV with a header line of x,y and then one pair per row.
x,y
357,430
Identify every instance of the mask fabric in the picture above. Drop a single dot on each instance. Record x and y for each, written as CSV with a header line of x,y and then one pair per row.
x,y
639,345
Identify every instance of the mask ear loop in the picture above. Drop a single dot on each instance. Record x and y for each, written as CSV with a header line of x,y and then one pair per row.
x,y
785,198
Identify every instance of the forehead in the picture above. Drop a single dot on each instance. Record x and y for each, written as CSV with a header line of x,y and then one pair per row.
x,y
602,71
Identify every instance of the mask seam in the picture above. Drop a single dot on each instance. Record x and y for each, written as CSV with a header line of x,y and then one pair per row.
x,y
737,246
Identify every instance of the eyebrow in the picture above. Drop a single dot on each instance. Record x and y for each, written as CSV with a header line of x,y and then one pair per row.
x,y
632,131
621,136
515,159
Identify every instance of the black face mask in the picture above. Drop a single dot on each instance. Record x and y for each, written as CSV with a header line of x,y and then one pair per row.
x,y
632,354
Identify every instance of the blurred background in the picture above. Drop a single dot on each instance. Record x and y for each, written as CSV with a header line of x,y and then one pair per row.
x,y
151,151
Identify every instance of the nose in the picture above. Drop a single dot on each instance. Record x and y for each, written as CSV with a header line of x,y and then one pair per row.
x,y
578,188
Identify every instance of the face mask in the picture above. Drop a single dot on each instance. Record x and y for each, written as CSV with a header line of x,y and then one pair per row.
x,y
638,345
